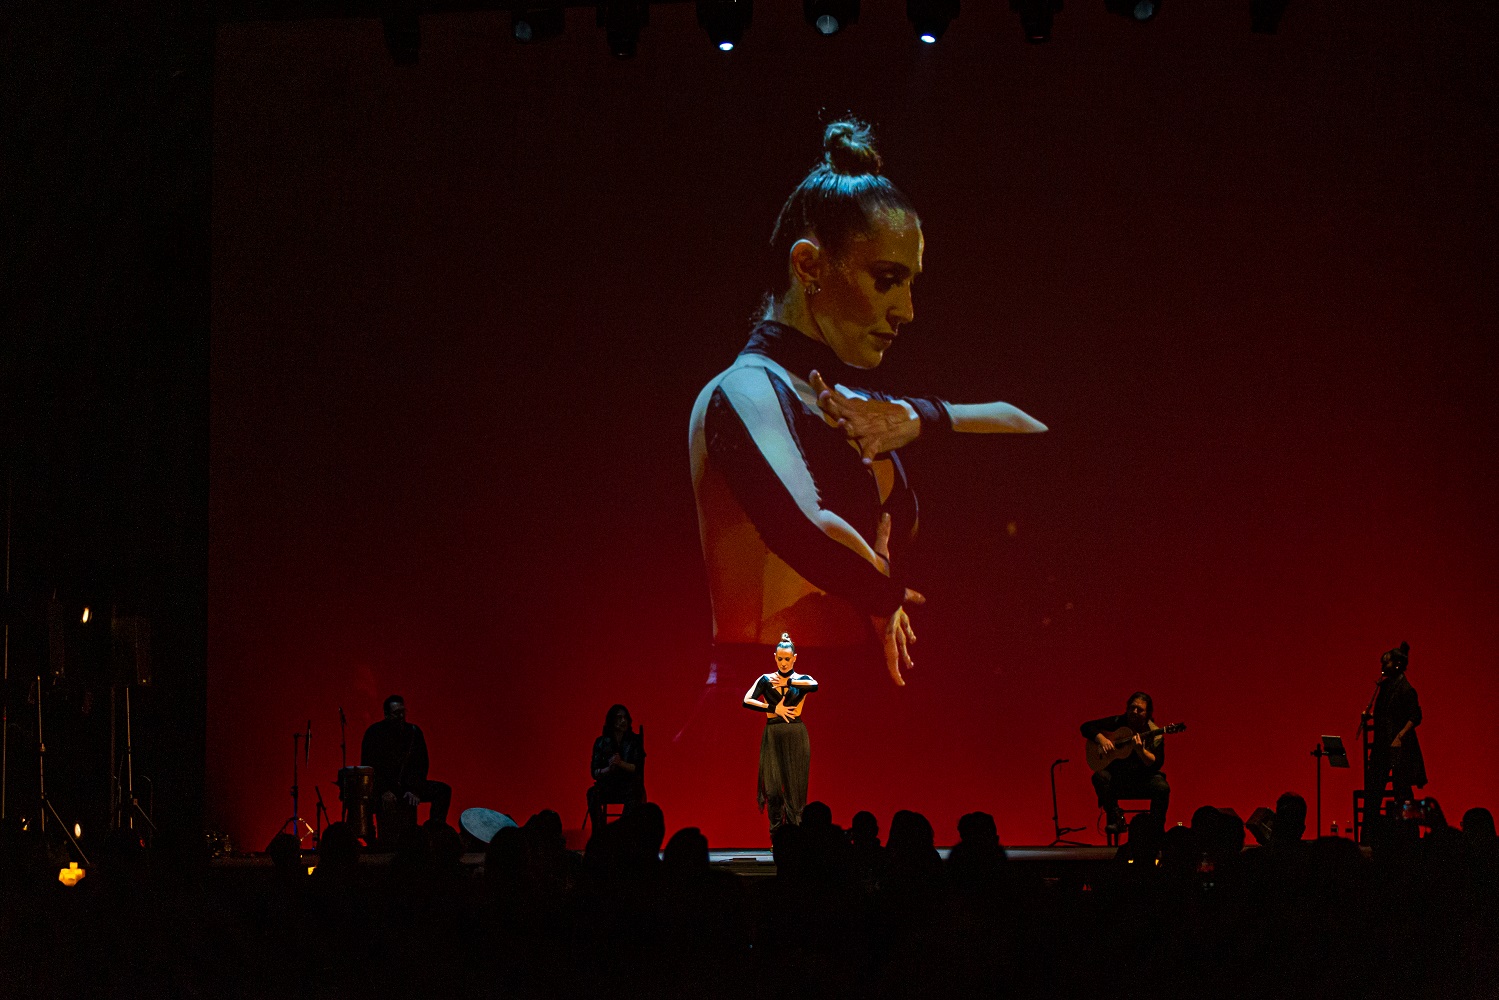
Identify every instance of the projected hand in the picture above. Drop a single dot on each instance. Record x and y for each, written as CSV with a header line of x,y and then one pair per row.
x,y
896,633
874,425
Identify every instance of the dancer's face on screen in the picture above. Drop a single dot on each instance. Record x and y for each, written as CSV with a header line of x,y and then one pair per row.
x,y
866,294
785,660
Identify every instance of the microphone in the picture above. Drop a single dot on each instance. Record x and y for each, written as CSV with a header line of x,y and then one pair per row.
x,y
307,743
1062,760
341,718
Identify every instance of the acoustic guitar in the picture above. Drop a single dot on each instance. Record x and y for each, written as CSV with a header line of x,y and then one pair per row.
x,y
1123,740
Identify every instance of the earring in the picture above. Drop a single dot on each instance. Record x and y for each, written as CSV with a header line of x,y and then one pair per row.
x,y
811,288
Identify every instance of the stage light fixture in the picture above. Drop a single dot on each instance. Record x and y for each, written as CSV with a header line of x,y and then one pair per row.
x,y
536,24
403,37
829,17
930,18
1135,10
1265,15
1036,18
725,21
622,21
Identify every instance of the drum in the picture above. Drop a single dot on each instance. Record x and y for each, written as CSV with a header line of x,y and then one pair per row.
x,y
356,790
483,824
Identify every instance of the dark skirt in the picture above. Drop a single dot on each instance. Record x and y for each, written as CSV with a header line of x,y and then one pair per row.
x,y
785,760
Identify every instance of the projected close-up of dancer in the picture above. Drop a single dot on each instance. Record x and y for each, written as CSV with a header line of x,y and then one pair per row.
x,y
354,347
805,510
785,748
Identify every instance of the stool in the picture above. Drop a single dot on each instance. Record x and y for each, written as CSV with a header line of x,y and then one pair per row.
x,y
1129,813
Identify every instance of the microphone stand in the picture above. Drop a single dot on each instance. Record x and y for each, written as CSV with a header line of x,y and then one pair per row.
x,y
322,814
296,822
1060,830
41,781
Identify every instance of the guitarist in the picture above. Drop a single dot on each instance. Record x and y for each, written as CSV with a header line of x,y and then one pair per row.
x,y
1138,775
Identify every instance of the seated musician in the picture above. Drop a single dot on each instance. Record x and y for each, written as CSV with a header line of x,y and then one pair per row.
x,y
618,755
1138,775
397,750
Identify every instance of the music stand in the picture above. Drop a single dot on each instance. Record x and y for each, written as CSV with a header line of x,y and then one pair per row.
x,y
1332,748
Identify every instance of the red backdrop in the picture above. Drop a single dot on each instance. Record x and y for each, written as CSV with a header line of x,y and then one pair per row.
x,y
461,311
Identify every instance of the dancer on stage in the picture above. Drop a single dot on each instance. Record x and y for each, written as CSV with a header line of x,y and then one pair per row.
x,y
785,750
804,509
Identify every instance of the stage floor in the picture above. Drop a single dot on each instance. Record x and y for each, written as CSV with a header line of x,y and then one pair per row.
x,y
745,861
760,862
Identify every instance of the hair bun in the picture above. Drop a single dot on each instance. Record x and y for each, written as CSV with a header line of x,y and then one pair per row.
x,y
848,148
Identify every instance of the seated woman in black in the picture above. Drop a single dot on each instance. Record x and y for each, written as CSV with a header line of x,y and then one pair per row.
x,y
617,758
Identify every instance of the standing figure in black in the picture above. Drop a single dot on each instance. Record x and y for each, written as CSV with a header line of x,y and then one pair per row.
x,y
1137,776
1395,758
618,756
397,750
785,750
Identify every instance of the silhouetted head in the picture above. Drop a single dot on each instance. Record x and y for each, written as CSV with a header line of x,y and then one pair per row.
x,y
1179,850
1290,818
506,856
817,815
1478,825
285,854
1143,842
645,826
686,852
338,848
910,832
395,709
544,830
444,845
865,830
977,828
